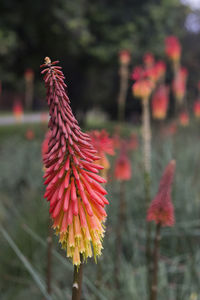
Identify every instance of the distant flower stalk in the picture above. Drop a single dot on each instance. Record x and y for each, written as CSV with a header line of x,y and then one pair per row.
x,y
161,209
173,48
122,169
179,84
160,102
196,109
184,119
18,110
74,190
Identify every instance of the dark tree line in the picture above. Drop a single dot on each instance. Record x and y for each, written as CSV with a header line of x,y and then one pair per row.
x,y
86,37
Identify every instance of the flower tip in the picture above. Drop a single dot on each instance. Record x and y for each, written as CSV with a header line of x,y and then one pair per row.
x,y
47,60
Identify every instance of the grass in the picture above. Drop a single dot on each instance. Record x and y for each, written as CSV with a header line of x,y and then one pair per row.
x,y
24,219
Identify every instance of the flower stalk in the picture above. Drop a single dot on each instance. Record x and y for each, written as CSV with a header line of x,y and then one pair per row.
x,y
124,58
49,259
154,285
77,282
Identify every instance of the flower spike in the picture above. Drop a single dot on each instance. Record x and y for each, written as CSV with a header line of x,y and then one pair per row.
x,y
73,187
161,209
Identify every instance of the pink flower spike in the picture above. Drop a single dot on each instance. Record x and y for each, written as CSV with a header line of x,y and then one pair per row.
x,y
161,209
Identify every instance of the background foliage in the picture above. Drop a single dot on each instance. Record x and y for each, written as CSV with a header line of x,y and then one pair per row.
x,y
86,37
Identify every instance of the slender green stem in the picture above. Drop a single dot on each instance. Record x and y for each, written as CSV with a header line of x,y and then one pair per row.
x,y
77,282
49,259
124,73
146,135
154,285
119,230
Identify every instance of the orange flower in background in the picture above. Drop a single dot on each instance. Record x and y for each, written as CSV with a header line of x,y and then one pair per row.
x,y
196,108
179,83
29,75
143,88
124,57
160,68
160,102
30,135
173,48
104,145
161,209
138,73
148,59
184,119
123,165
18,110
73,186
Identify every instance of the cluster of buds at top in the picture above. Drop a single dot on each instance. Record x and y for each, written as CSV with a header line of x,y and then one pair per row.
x,y
74,190
104,145
173,48
161,209
124,57
160,102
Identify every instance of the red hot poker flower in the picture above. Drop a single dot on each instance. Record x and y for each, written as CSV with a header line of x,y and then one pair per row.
x,y
184,118
123,164
196,108
124,57
161,209
73,185
18,110
104,145
173,48
148,59
160,102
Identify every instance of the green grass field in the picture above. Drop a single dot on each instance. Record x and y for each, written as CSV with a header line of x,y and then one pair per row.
x,y
24,224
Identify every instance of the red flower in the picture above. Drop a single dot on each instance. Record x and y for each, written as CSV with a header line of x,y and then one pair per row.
x,y
30,134
18,110
179,83
29,75
161,209
184,118
138,73
173,48
143,88
123,164
73,186
196,108
124,57
148,59
104,145
160,102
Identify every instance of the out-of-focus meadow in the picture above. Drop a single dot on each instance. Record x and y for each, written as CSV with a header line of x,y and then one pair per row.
x,y
89,39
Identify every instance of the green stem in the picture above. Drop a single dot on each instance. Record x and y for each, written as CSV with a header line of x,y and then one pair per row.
x,y
77,282
120,226
154,285
124,74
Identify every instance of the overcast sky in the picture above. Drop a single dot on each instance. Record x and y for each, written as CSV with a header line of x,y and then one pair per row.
x,y
195,4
